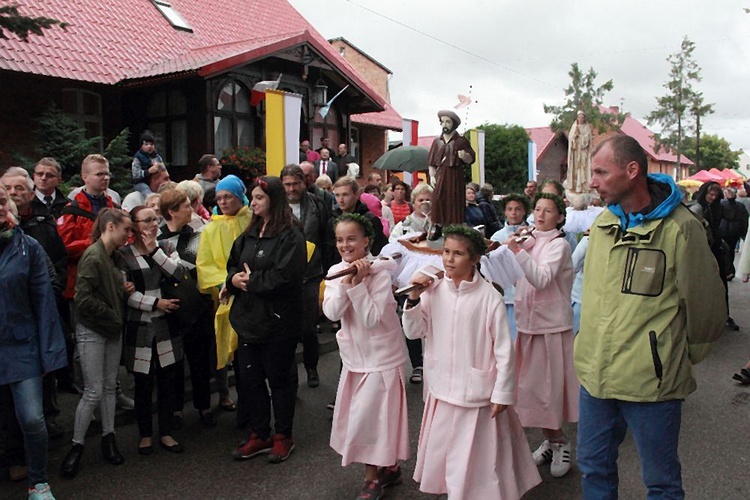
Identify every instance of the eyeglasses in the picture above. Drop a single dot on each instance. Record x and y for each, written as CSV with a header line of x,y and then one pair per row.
x,y
103,174
149,220
45,175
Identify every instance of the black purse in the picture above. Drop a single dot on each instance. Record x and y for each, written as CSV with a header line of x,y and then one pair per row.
x,y
193,304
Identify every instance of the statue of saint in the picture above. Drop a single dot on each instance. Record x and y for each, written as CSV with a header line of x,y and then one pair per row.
x,y
449,155
579,155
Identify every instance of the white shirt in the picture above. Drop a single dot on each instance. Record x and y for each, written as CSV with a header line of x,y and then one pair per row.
x,y
41,195
296,210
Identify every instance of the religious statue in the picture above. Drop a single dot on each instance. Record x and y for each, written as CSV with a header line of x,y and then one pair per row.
x,y
449,155
579,155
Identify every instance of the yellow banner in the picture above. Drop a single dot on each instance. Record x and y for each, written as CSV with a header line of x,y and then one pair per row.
x,y
275,146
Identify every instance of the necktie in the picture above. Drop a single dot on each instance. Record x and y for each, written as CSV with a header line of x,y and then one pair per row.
x,y
48,200
324,167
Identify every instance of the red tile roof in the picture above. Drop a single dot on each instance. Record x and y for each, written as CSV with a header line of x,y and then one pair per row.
x,y
645,138
114,41
388,119
542,137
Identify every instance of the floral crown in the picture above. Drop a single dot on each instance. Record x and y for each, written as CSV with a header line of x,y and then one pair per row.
x,y
474,236
360,219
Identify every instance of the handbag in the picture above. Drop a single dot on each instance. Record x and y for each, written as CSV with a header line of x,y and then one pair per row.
x,y
193,304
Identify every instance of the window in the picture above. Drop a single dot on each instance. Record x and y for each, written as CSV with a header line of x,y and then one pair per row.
x,y
85,108
174,17
167,119
234,119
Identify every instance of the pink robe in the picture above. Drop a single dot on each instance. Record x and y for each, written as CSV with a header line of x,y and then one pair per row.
x,y
468,365
370,422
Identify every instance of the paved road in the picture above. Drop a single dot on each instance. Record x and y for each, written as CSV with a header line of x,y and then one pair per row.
x,y
714,450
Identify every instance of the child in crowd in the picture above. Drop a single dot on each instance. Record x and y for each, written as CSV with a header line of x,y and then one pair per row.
x,y
144,163
370,423
547,388
471,444
516,208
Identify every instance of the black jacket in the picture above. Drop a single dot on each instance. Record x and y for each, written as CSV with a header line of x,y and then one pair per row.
x,y
315,220
271,309
42,227
38,206
734,220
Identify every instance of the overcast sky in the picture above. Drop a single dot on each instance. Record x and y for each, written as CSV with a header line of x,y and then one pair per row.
x,y
516,54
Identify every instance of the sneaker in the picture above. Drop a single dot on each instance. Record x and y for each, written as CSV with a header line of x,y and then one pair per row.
x,y
124,402
254,446
282,447
560,459
41,492
372,490
313,380
543,454
388,476
416,375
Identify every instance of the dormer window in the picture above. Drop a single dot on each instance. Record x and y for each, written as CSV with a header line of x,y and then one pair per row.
x,y
174,17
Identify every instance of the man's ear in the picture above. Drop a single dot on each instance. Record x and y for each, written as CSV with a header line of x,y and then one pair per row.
x,y
633,170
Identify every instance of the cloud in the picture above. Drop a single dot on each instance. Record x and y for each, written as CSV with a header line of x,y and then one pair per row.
x,y
519,53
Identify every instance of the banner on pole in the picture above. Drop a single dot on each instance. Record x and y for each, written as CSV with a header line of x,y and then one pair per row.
x,y
283,111
476,139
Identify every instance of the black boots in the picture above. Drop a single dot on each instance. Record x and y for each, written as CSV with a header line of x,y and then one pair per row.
x,y
72,462
109,450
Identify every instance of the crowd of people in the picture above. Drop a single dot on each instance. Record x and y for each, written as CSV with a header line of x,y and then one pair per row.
x,y
601,329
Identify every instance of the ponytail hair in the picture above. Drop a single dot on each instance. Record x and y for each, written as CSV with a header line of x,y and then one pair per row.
x,y
114,215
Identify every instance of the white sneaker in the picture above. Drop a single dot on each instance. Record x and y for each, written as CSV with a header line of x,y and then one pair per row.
x,y
543,454
560,459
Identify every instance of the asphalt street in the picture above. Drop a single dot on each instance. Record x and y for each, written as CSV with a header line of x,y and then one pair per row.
x,y
713,448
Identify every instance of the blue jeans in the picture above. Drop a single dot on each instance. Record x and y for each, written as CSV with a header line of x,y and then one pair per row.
x,y
27,396
602,426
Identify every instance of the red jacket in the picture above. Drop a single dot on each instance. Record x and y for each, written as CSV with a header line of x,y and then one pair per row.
x,y
74,226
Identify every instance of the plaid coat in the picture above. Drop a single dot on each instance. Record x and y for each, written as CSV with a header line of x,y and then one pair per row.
x,y
146,331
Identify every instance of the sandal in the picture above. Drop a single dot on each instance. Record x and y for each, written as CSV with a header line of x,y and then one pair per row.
x,y
743,376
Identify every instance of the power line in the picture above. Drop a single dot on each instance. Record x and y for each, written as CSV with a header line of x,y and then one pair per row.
x,y
453,46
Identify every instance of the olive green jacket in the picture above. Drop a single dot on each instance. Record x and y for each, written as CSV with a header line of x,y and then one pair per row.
x,y
653,303
100,296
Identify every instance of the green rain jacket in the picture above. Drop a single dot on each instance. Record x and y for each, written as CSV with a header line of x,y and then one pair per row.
x,y
653,301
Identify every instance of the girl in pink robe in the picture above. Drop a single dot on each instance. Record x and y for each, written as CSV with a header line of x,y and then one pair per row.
x,y
471,444
370,423
547,390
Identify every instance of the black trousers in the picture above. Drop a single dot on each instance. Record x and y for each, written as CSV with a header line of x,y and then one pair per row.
x,y
165,390
197,343
413,346
272,362
310,313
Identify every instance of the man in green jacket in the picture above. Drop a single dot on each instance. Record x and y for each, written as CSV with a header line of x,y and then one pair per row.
x,y
652,305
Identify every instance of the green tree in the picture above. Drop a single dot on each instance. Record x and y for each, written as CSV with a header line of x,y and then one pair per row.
x,y
675,108
582,94
62,138
120,161
715,152
505,156
13,21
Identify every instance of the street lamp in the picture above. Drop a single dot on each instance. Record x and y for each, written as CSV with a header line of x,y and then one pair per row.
x,y
320,93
